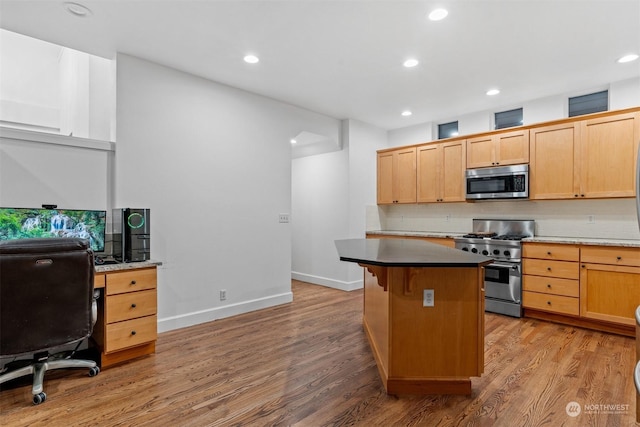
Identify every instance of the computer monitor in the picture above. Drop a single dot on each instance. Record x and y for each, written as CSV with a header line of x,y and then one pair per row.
x,y
26,223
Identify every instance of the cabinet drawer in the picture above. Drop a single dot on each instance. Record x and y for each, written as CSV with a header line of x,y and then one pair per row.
x,y
131,333
128,281
547,268
552,252
130,305
99,280
611,255
551,285
553,303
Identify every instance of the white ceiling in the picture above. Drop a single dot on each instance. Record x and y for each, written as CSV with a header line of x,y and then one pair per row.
x,y
344,58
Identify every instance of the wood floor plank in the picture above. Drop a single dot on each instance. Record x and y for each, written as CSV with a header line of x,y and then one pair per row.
x,y
308,363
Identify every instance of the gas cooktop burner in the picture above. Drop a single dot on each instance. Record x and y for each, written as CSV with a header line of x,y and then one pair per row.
x,y
481,235
510,237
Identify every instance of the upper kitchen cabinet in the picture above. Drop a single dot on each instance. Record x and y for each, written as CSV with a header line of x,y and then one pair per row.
x,y
498,149
608,155
397,176
441,169
591,158
555,162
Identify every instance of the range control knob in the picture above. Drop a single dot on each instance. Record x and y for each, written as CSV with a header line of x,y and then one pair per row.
x,y
507,253
465,249
474,250
496,252
485,252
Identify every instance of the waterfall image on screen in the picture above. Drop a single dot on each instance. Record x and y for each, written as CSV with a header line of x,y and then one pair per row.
x,y
25,223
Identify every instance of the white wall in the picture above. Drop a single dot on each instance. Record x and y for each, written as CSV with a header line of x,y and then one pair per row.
x,y
213,164
37,168
330,193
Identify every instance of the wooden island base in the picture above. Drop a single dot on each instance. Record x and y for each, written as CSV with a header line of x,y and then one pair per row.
x,y
425,350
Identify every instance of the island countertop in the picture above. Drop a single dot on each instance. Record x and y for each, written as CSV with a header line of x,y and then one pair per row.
x,y
405,253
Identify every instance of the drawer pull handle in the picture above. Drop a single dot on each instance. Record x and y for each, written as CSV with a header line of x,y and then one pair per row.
x,y
618,258
549,285
548,302
133,282
133,332
548,268
548,253
133,305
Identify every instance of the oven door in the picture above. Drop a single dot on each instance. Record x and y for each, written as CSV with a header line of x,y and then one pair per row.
x,y
502,281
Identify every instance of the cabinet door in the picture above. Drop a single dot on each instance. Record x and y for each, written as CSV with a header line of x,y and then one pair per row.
x,y
404,181
480,152
610,293
452,179
608,155
554,170
428,166
512,148
385,178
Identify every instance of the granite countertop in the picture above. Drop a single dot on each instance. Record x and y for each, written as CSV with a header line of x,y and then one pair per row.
x,y
437,234
630,243
405,253
126,266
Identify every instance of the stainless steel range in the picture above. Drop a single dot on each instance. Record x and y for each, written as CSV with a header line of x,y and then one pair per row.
x,y
500,240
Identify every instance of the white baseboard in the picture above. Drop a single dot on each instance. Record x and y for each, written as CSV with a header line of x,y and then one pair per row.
x,y
195,318
330,283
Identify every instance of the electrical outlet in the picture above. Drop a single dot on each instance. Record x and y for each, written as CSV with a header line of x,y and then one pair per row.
x,y
427,298
591,219
283,218
447,218
223,294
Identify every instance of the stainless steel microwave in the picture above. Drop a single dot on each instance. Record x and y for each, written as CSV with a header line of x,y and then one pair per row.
x,y
504,182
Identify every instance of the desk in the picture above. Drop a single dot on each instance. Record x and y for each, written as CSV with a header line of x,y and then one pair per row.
x,y
126,325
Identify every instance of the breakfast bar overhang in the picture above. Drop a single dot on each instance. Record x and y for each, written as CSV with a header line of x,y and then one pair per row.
x,y
423,313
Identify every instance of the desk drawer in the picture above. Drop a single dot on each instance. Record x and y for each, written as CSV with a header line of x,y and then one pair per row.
x,y
551,285
553,303
611,256
130,305
131,333
130,281
552,252
542,267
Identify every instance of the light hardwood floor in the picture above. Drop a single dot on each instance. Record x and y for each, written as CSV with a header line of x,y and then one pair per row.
x,y
308,363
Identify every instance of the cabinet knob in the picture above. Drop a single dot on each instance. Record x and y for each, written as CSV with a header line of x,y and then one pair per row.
x,y
548,302
548,268
133,332
133,282
133,305
549,285
618,258
582,195
497,163
575,195
549,253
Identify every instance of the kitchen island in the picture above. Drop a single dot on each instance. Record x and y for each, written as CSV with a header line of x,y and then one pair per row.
x,y
423,313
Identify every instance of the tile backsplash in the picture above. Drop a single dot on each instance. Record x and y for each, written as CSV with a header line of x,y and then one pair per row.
x,y
597,218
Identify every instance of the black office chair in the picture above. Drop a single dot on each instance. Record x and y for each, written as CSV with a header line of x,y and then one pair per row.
x,y
46,301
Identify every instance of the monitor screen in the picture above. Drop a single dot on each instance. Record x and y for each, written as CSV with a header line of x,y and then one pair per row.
x,y
25,223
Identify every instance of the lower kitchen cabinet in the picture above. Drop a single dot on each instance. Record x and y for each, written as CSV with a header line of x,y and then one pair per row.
x,y
550,280
610,284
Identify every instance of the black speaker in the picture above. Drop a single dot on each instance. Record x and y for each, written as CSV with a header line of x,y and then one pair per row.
x,y
131,234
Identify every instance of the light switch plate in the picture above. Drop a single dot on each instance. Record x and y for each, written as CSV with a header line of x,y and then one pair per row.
x,y
427,298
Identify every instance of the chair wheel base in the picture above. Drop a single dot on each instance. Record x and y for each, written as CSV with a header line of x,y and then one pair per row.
x,y
39,398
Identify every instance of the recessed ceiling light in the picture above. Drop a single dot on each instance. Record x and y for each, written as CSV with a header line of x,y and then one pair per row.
x,y
251,59
406,113
77,9
492,92
411,63
628,58
293,141
438,14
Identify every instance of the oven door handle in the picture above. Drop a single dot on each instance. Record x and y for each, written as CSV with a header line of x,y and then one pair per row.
x,y
508,265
